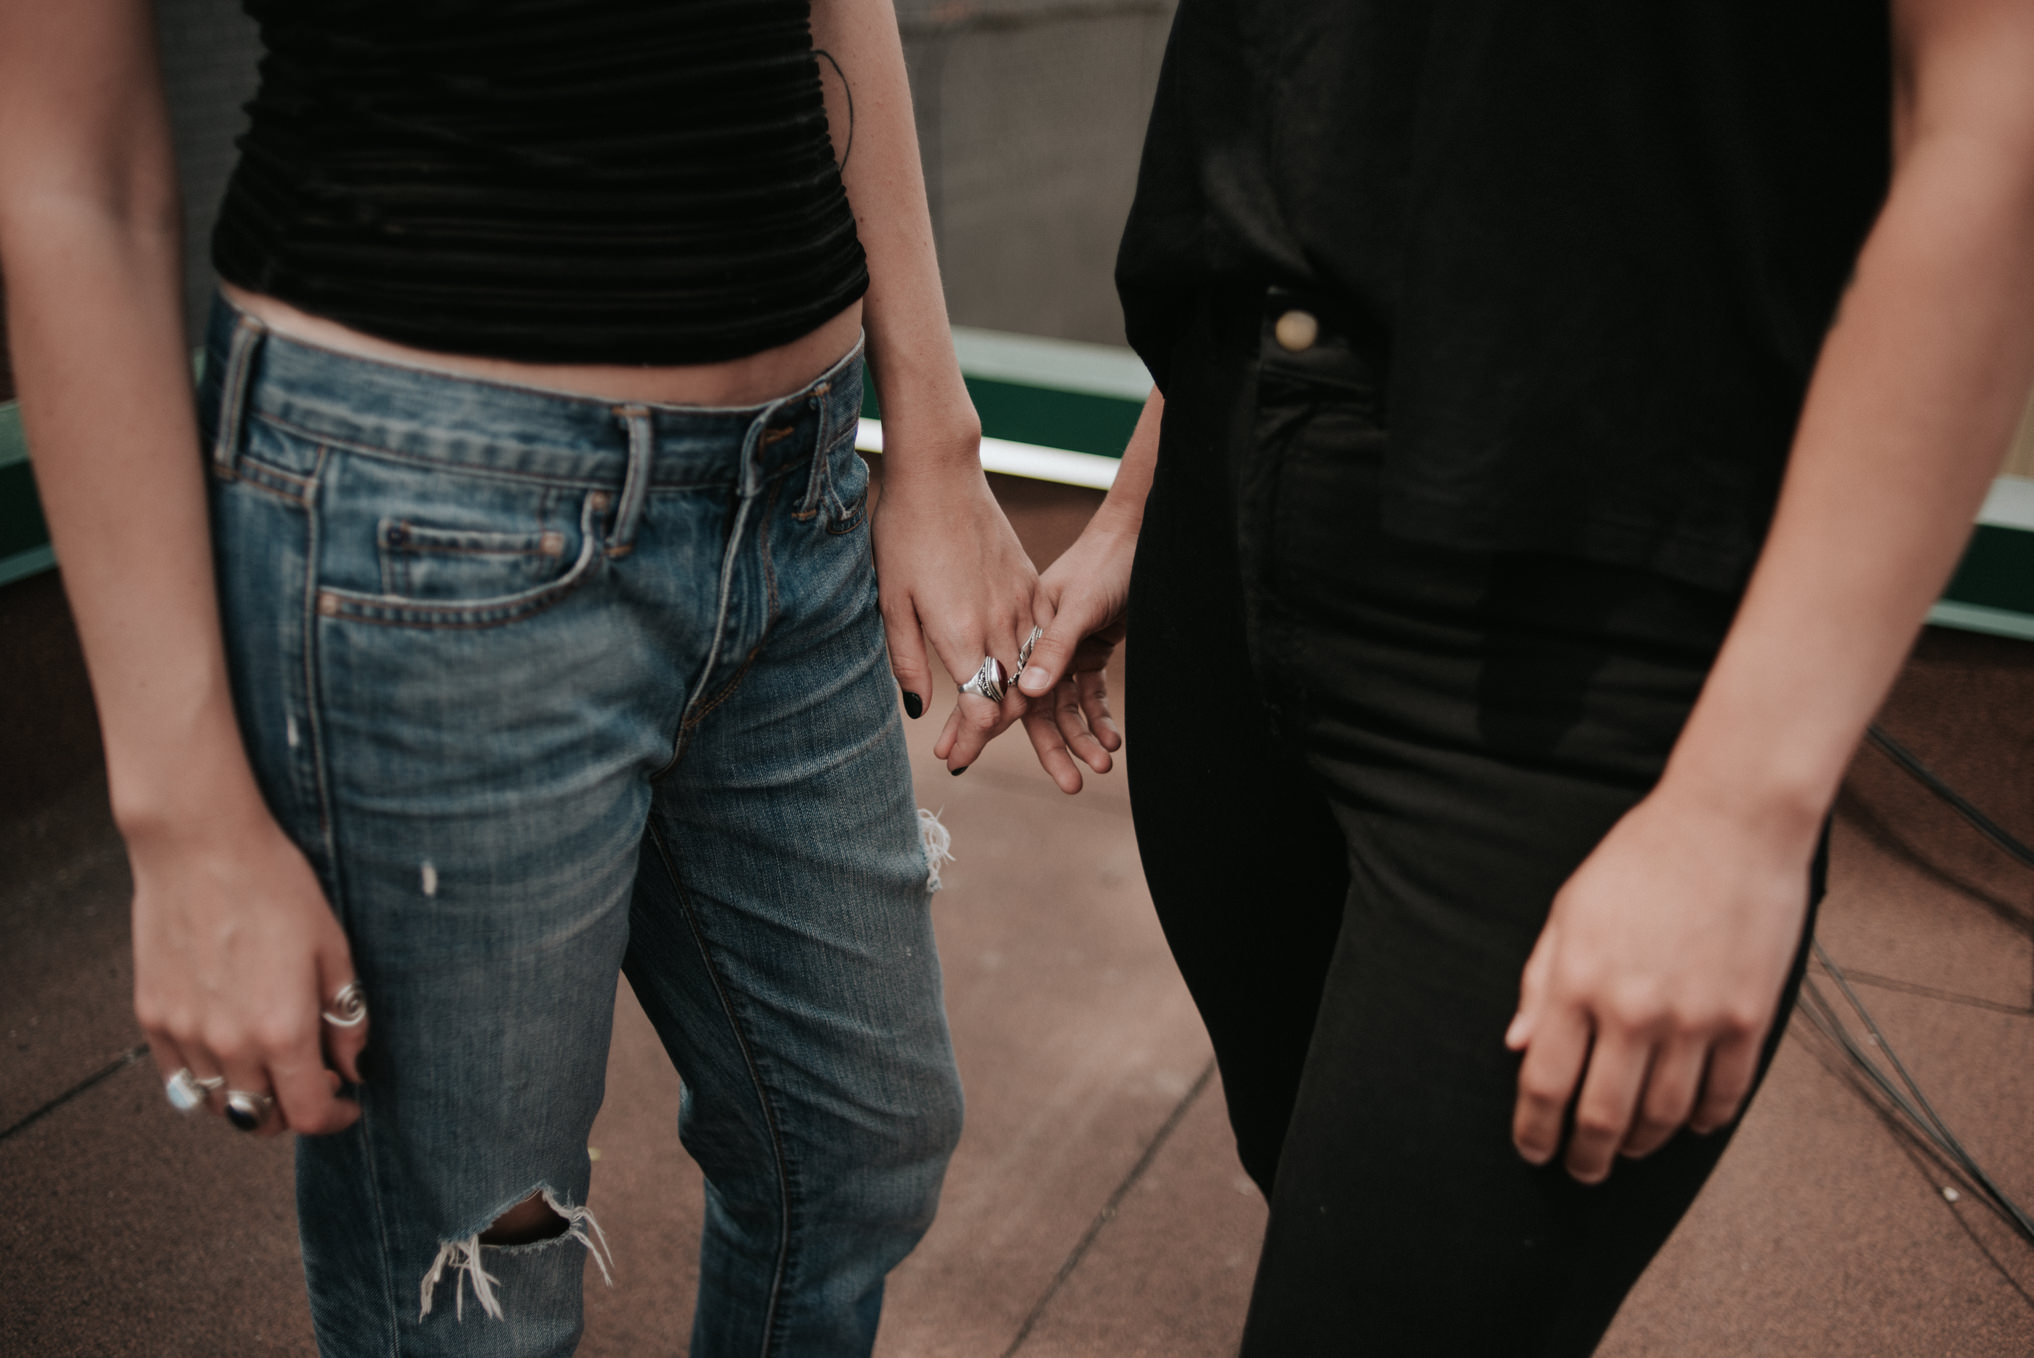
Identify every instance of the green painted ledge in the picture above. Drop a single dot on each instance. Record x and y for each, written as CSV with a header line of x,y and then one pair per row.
x,y
1993,588
24,538
1060,411
1054,410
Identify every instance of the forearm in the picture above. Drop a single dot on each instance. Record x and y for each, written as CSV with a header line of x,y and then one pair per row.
x,y
927,415
105,390
1911,406
1122,509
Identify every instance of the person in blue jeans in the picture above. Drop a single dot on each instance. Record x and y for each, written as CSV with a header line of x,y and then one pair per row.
x,y
506,615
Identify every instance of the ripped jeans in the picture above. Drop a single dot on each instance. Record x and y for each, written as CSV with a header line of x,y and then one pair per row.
x,y
550,688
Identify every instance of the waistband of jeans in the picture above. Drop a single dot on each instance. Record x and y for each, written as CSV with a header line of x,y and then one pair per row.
x,y
423,414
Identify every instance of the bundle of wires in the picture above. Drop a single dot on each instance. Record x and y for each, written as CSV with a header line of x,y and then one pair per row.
x,y
1893,1092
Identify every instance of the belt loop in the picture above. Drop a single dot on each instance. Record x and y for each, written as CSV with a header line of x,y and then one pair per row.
x,y
636,485
753,445
248,332
821,479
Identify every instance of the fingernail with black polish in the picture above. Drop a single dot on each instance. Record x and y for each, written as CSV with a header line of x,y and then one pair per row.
x,y
913,708
959,771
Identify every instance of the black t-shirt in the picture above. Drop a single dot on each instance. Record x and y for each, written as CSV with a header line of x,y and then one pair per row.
x,y
1598,241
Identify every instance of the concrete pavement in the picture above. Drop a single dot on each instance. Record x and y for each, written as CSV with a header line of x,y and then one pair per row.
x,y
1095,1206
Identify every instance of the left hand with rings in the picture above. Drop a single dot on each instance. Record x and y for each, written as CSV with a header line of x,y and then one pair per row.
x,y
244,982
950,572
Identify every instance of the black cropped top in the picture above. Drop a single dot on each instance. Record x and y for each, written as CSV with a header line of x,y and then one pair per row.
x,y
583,181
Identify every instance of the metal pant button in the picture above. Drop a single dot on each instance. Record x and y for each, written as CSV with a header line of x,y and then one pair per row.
x,y
1296,331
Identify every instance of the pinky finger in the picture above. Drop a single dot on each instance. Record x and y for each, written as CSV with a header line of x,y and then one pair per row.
x,y
1732,1066
943,747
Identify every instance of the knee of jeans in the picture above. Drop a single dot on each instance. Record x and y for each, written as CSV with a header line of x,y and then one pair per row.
x,y
930,1138
540,1220
947,1123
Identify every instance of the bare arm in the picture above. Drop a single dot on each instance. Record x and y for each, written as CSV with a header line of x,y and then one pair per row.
x,y
90,247
1668,948
949,567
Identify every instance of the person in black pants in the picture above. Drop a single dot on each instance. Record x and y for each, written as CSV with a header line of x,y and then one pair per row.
x,y
1522,541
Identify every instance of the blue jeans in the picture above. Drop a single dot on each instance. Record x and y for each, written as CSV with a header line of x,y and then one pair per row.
x,y
549,688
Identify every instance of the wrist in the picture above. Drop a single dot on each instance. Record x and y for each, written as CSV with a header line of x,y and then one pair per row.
x,y
1118,518
928,416
921,435
1763,800
200,787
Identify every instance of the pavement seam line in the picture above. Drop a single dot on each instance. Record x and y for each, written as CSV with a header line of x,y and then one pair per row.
x,y
118,1064
1108,1212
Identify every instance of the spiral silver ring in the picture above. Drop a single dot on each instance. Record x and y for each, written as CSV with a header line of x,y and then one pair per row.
x,y
988,681
1024,652
349,1007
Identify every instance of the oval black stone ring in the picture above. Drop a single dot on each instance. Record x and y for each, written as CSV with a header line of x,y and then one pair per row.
x,y
988,681
245,1110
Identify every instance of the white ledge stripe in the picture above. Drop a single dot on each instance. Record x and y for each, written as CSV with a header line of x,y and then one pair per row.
x,y
1021,459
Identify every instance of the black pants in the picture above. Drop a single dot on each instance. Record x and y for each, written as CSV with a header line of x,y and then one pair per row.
x,y
1364,767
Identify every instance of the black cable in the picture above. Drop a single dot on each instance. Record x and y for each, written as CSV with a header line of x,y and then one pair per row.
x,y
1903,1102
1927,777
1910,1103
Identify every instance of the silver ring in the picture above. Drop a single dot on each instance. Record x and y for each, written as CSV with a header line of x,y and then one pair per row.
x,y
1024,652
349,1007
184,1091
246,1110
988,681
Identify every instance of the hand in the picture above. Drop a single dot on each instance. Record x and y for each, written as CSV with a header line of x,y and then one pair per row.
x,y
1082,599
949,570
235,955
1655,981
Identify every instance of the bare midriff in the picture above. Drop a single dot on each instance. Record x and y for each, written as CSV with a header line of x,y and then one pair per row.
x,y
750,380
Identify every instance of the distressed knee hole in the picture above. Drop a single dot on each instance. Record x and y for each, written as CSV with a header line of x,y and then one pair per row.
x,y
938,844
528,1221
541,1217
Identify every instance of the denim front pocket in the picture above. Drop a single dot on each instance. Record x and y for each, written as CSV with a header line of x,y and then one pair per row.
x,y
421,545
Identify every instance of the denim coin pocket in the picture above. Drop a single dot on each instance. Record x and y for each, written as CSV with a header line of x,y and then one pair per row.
x,y
425,558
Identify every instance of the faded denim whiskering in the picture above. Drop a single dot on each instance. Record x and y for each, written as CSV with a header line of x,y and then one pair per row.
x,y
550,688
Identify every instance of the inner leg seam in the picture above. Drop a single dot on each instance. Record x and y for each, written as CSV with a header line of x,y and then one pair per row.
x,y
777,1158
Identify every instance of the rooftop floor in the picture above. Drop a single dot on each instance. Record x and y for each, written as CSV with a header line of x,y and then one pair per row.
x,y
1095,1205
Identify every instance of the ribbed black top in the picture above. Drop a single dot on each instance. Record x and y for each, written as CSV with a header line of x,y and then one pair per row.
x,y
597,181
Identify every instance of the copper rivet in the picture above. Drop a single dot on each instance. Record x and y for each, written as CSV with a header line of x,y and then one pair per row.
x,y
552,543
598,499
1296,331
328,604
